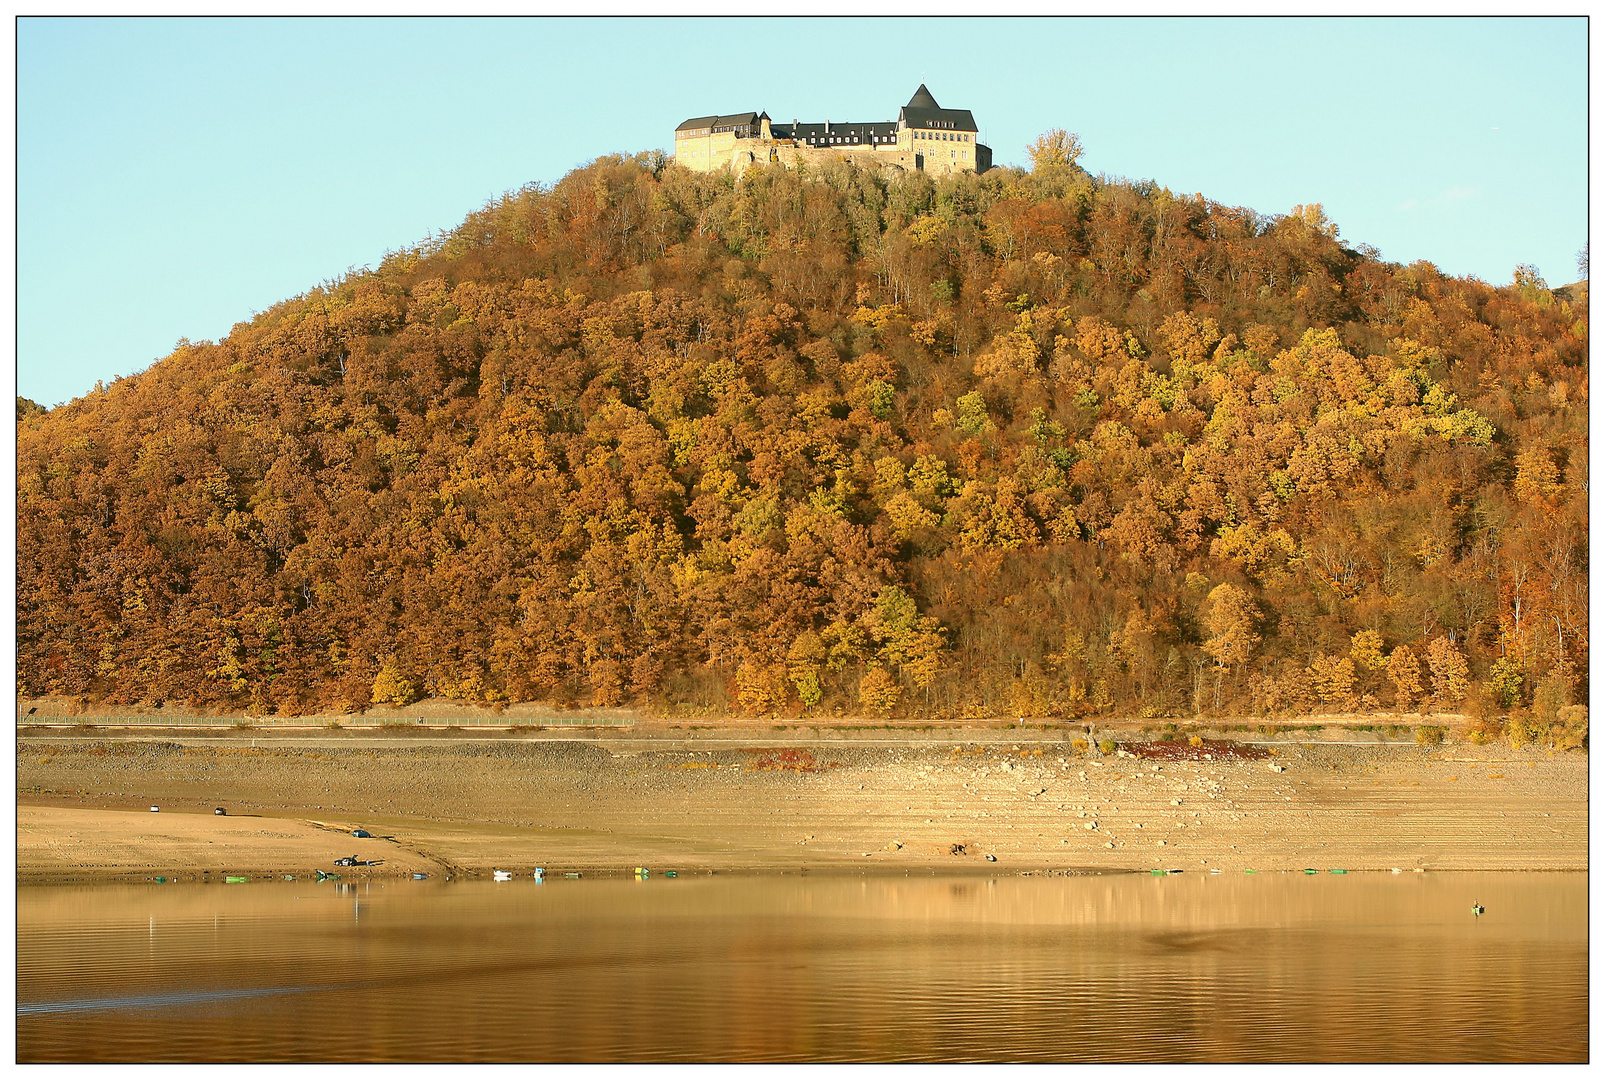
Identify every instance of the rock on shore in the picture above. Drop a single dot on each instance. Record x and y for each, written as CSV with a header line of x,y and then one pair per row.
x,y
1034,805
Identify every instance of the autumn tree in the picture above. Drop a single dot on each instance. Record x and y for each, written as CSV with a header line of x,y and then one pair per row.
x,y
1404,670
390,685
1054,148
1450,673
838,439
1231,617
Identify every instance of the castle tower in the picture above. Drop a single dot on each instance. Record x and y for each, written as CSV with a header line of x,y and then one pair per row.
x,y
942,140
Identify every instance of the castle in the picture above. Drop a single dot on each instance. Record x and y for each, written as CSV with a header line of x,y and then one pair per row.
x,y
924,136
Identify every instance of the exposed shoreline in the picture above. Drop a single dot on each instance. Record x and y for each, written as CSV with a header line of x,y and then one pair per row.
x,y
437,713
766,801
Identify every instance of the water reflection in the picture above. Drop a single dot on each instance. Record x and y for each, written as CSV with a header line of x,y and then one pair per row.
x,y
1128,968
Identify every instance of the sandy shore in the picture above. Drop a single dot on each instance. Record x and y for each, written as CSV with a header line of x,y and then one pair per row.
x,y
609,802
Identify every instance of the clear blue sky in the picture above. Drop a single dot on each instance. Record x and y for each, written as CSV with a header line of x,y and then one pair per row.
x,y
176,175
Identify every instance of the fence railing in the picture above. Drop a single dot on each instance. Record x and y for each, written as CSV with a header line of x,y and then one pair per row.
x,y
350,722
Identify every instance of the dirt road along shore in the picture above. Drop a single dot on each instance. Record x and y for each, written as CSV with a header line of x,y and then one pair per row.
x,y
939,802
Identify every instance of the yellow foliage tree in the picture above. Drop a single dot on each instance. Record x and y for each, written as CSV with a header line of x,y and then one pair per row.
x,y
1333,678
1054,147
907,516
1230,616
878,691
1366,649
391,686
1450,673
1405,672
1537,479
760,688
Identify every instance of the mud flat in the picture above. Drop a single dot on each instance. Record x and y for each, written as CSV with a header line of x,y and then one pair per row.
x,y
741,802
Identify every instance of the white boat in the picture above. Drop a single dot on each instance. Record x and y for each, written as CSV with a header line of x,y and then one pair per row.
x,y
502,875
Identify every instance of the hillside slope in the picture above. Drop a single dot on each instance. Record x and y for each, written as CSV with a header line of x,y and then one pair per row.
x,y
1036,443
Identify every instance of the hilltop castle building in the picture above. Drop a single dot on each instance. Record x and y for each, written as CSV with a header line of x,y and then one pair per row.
x,y
924,136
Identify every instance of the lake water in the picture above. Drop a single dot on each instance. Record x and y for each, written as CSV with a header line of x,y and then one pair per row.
x,y
1268,967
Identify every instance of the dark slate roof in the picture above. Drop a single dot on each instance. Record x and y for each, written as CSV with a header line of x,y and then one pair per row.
x,y
816,133
947,119
922,111
732,121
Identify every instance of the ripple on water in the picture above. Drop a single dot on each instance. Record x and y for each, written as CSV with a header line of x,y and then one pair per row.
x,y
1129,968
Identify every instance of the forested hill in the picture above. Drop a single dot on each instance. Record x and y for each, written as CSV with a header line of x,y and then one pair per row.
x,y
1028,443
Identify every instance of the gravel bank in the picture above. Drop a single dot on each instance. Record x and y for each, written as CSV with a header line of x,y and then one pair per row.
x,y
604,803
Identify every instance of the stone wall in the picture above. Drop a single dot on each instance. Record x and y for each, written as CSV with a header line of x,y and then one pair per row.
x,y
707,153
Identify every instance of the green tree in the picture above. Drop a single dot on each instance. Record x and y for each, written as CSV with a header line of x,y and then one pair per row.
x,y
803,663
1505,681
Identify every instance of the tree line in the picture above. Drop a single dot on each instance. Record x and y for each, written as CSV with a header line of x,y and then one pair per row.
x,y
837,441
